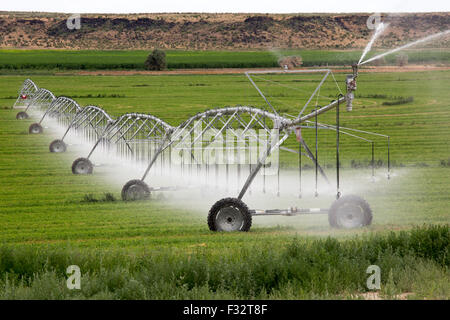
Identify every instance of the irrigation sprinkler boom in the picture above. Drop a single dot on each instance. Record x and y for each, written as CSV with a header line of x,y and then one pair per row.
x,y
134,136
244,118
233,119
63,109
146,139
232,214
41,100
89,123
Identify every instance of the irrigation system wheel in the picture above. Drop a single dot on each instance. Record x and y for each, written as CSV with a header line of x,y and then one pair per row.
x,y
135,190
82,166
22,115
35,128
350,212
57,146
229,214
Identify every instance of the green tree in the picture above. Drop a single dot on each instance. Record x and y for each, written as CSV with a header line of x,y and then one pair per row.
x,y
156,60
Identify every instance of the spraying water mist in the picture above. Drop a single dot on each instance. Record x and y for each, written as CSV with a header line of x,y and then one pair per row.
x,y
378,31
426,39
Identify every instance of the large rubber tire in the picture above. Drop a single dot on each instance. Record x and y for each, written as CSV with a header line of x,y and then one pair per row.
x,y
135,190
229,214
22,115
82,166
57,146
35,128
350,212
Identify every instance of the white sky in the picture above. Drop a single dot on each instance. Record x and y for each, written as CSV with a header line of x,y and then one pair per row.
x,y
258,6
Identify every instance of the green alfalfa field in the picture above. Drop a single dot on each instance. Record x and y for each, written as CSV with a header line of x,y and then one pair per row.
x,y
159,249
16,60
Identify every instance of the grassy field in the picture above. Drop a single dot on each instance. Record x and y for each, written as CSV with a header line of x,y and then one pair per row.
x,y
110,59
163,249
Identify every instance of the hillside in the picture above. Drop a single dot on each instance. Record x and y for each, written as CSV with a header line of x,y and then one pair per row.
x,y
213,31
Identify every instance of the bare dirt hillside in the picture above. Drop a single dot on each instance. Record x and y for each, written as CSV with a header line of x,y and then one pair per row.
x,y
213,31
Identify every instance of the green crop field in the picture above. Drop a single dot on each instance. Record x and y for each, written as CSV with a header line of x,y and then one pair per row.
x,y
114,59
163,249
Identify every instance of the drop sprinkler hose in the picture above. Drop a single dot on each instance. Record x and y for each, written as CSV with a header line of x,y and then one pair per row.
x,y
351,86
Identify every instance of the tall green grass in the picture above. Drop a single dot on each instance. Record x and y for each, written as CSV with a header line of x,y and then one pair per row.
x,y
303,269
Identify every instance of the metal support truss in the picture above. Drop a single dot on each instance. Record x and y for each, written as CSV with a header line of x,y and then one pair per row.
x,y
63,109
26,93
41,100
135,136
261,161
240,121
89,122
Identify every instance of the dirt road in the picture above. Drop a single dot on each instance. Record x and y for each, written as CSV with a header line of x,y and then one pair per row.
x,y
410,68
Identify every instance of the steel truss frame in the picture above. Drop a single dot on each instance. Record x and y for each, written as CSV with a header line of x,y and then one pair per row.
x,y
135,136
25,94
41,100
232,119
89,122
246,118
63,109
145,138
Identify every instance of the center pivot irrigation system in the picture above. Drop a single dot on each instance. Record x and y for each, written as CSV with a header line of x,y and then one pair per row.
x,y
146,139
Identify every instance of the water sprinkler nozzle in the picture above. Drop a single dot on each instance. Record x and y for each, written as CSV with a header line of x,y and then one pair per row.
x,y
351,87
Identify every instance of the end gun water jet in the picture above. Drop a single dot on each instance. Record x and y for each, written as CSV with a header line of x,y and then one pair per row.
x,y
426,39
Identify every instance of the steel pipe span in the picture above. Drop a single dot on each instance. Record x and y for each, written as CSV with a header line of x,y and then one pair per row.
x,y
42,99
99,110
144,116
63,107
134,136
283,122
232,110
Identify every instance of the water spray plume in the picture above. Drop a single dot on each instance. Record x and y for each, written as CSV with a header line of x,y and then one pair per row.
x,y
429,38
379,30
